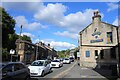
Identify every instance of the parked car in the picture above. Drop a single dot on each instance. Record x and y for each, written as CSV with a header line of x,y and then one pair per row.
x,y
71,59
15,71
61,61
56,63
40,68
66,60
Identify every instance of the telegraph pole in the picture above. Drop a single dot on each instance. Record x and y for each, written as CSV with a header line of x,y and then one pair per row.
x,y
20,31
19,40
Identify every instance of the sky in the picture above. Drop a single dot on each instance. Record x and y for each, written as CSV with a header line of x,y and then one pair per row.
x,y
58,23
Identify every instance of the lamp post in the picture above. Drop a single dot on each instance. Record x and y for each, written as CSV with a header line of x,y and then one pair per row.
x,y
36,50
12,52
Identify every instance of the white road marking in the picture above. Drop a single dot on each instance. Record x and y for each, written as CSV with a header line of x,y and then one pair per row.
x,y
64,72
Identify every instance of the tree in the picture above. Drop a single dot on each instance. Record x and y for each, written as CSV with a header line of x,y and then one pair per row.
x,y
12,40
9,36
8,24
26,38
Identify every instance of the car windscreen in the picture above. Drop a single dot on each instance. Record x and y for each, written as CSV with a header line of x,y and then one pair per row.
x,y
38,63
66,59
55,61
71,58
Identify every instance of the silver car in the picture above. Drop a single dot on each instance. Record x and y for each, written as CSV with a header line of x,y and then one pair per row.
x,y
40,68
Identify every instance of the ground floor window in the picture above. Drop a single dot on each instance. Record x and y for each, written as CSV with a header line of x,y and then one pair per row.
x,y
113,53
87,53
102,54
96,52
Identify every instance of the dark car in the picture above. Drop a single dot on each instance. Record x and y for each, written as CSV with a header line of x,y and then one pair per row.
x,y
15,71
71,59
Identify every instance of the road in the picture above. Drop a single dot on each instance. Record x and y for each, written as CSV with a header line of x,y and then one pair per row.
x,y
73,71
57,72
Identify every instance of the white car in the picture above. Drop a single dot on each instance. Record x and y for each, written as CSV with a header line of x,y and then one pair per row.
x,y
66,60
40,68
56,63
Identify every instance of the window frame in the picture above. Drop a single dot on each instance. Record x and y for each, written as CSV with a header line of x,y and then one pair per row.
x,y
109,37
87,54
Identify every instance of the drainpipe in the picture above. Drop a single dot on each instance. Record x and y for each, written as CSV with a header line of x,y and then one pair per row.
x,y
80,39
80,46
118,54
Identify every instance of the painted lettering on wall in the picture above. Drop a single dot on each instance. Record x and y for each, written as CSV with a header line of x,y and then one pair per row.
x,y
98,40
96,35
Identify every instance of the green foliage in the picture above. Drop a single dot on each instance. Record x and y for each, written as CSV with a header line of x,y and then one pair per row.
x,y
8,33
8,24
64,53
9,36
5,55
27,38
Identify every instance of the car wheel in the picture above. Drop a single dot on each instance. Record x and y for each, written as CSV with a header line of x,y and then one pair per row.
x,y
59,66
43,73
50,70
27,78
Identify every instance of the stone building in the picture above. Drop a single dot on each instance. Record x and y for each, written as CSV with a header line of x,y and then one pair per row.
x,y
99,44
29,52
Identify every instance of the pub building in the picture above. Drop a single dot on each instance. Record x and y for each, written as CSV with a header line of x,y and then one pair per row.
x,y
99,44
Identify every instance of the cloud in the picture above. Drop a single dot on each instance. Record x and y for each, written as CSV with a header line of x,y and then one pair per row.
x,y
58,45
0,4
112,6
77,21
67,34
116,22
28,34
54,14
63,45
31,7
21,20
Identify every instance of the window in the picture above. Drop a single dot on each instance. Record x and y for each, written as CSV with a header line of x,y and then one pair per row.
x,y
109,37
113,53
19,66
8,68
102,54
96,52
87,53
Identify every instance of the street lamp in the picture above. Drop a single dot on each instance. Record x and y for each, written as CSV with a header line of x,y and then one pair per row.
x,y
36,50
12,52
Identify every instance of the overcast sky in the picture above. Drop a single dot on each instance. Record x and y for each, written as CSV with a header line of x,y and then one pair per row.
x,y
58,23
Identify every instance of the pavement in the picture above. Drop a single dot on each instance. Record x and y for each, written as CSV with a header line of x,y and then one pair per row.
x,y
78,72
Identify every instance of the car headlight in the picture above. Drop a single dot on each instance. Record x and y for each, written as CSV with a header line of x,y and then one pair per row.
x,y
39,69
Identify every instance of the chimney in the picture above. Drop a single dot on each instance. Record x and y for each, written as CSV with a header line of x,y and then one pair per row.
x,y
48,45
40,43
97,17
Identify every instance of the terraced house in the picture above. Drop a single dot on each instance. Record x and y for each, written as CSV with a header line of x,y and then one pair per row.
x,y
99,44
28,52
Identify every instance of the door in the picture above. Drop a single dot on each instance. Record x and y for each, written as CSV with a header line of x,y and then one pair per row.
x,y
8,72
20,71
46,66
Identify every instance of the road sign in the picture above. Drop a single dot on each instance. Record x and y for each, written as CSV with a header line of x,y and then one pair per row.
x,y
12,51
